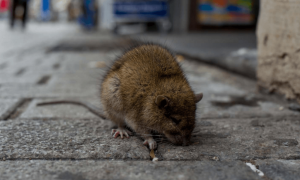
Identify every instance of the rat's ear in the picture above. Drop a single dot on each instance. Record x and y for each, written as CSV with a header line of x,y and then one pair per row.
x,y
198,97
161,101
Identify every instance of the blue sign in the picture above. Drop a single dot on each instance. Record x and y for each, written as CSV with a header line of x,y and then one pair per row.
x,y
45,10
89,14
141,9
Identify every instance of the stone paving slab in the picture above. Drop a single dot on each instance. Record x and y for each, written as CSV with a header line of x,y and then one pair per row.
x,y
27,91
87,78
207,86
60,63
73,89
219,87
26,61
74,62
48,63
239,139
66,139
56,90
217,75
88,169
231,50
60,110
51,63
207,110
280,169
7,106
24,79
217,102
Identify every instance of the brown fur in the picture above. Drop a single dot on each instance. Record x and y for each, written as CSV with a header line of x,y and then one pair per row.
x,y
147,90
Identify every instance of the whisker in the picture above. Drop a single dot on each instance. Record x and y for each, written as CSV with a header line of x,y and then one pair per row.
x,y
148,135
166,142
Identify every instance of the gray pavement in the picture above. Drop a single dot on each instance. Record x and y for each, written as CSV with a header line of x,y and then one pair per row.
x,y
116,169
240,133
232,50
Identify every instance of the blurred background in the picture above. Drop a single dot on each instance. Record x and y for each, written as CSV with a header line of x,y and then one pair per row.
x,y
219,32
232,34
132,16
238,35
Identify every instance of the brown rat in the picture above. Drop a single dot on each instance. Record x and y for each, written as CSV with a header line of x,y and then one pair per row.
x,y
146,90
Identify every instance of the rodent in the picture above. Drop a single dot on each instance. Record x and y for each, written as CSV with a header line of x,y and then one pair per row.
x,y
146,90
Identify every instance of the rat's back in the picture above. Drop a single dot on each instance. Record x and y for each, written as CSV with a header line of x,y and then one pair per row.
x,y
147,61
142,71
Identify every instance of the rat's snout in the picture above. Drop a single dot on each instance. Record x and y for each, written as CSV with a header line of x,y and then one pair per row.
x,y
175,139
183,141
178,140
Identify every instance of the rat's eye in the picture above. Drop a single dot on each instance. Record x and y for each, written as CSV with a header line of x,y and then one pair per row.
x,y
176,121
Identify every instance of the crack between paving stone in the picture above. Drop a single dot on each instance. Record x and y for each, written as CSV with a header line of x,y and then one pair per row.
x,y
14,109
43,80
19,108
100,159
218,118
214,62
267,116
59,118
44,97
103,159
73,159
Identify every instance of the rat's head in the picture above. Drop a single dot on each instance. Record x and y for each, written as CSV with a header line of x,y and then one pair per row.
x,y
175,114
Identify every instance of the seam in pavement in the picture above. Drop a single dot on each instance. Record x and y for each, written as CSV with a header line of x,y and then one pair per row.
x,y
128,159
14,110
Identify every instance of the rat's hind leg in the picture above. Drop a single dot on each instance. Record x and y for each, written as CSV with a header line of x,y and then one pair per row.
x,y
112,104
121,130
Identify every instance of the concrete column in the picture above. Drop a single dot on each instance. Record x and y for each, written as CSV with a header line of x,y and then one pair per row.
x,y
279,47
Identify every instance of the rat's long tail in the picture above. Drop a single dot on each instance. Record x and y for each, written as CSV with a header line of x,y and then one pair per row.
x,y
93,109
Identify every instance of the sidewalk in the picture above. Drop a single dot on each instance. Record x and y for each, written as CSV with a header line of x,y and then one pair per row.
x,y
231,50
237,126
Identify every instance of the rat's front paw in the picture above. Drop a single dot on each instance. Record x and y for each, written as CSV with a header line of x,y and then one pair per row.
x,y
120,132
151,143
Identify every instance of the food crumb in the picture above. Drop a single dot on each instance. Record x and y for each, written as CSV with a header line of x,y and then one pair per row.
x,y
152,155
215,158
97,64
179,58
281,108
155,159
